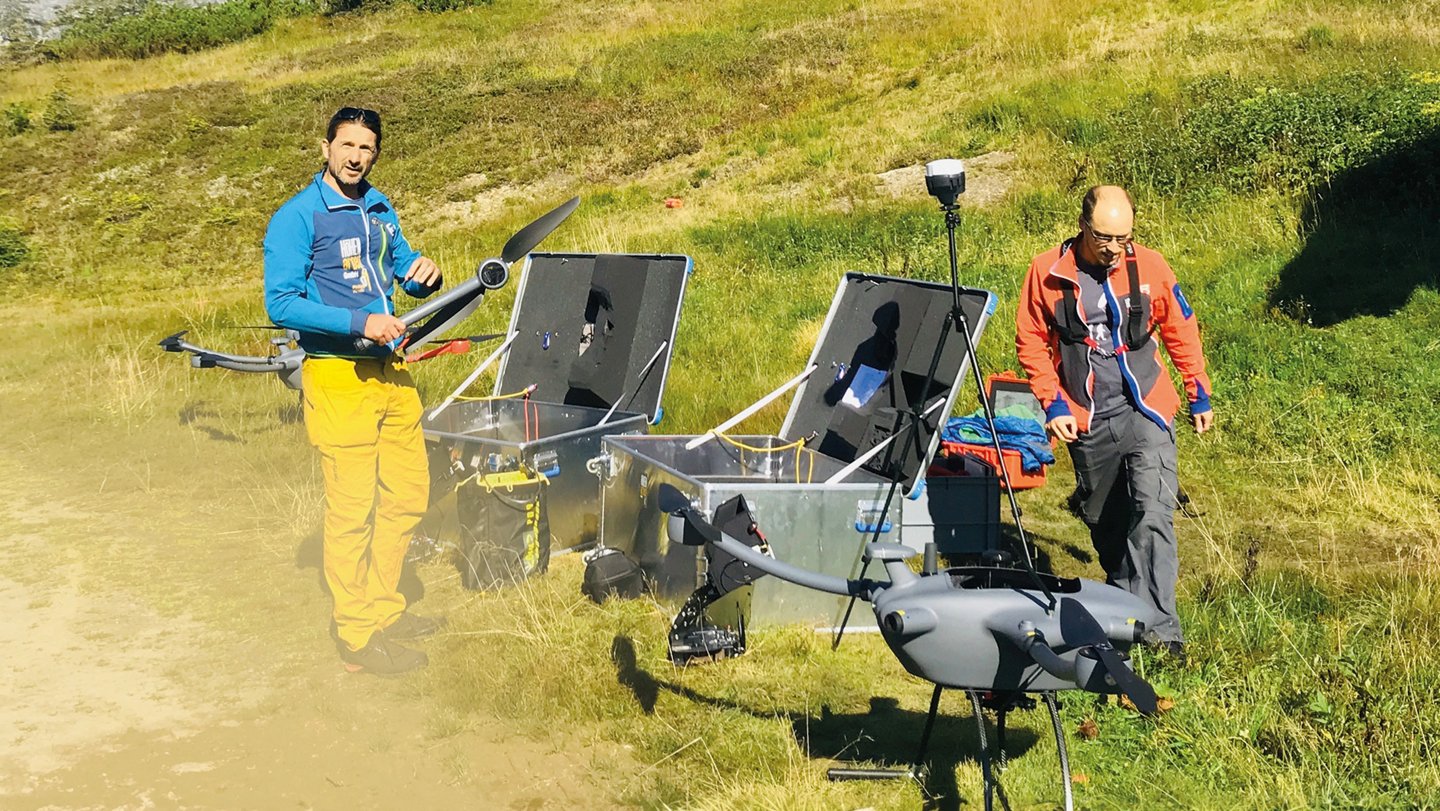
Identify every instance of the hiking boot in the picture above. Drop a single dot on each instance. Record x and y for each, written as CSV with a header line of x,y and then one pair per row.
x,y
382,658
413,626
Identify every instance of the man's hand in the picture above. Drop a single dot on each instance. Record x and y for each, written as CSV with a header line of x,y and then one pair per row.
x,y
1202,421
423,270
1065,428
382,328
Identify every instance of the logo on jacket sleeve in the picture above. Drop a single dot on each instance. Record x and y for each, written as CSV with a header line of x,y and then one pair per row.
x,y
1184,305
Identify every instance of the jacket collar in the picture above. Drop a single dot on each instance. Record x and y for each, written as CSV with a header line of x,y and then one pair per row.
x,y
334,200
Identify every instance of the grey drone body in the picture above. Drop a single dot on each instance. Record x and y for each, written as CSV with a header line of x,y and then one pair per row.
x,y
977,628
989,629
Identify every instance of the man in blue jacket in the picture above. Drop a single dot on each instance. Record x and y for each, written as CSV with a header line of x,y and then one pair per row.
x,y
333,254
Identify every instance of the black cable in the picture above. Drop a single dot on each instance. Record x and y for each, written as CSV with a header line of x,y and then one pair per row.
x,y
1060,747
984,750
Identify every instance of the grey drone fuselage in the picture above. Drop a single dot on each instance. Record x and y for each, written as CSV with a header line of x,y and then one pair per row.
x,y
978,628
982,628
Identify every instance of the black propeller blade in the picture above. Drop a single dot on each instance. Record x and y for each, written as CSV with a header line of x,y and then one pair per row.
x,y
171,343
531,235
445,318
671,500
1080,628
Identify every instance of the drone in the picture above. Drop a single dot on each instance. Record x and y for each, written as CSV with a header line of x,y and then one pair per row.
x,y
424,324
982,629
999,632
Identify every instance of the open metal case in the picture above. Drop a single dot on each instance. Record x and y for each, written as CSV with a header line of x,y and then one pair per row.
x,y
817,502
589,343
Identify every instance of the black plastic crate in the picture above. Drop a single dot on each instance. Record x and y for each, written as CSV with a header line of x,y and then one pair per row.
x,y
962,499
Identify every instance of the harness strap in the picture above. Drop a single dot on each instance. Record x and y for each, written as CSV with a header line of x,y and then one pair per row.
x,y
1072,330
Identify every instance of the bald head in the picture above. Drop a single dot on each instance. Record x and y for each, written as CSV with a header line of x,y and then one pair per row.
x,y
1107,219
1108,201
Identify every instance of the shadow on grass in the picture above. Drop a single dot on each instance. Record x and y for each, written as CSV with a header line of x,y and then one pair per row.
x,y
1372,238
886,734
1080,551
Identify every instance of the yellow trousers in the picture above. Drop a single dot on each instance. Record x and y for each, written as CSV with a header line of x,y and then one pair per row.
x,y
364,418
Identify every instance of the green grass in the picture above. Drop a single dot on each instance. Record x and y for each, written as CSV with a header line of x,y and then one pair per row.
x,y
1283,159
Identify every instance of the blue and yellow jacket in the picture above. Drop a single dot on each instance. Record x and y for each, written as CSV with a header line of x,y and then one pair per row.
x,y
330,262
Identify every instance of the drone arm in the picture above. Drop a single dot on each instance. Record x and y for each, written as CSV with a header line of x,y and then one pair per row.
x,y
1029,639
256,365
226,357
687,527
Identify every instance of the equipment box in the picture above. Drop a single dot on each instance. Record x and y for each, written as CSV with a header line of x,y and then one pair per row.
x,y
818,490
586,354
1008,394
959,508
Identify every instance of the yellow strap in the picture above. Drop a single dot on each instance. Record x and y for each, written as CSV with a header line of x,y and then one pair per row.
x,y
509,480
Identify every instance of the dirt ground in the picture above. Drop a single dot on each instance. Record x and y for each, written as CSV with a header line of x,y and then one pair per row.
x,y
130,683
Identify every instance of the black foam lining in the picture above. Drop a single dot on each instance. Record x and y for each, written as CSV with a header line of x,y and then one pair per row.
x,y
878,348
619,308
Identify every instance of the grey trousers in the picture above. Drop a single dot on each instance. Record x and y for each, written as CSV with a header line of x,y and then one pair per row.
x,y
1126,489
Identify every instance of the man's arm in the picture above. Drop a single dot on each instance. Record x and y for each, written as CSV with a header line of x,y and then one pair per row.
x,y
1180,331
287,263
1033,339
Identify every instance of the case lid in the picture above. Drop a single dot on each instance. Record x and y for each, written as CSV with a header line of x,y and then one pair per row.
x,y
1009,393
873,355
590,326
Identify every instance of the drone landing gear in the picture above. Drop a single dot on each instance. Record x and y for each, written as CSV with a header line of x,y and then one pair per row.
x,y
980,701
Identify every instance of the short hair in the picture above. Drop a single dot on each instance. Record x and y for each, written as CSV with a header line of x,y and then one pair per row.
x,y
1087,203
369,119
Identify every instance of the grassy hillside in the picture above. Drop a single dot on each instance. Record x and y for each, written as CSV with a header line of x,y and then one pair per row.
x,y
1284,157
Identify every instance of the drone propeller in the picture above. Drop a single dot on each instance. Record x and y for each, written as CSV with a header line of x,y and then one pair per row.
x,y
171,343
1080,628
671,500
454,307
531,235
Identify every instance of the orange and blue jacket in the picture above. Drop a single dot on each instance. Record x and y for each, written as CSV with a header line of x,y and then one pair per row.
x,y
1054,349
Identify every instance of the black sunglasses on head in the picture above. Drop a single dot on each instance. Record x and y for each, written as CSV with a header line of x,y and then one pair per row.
x,y
357,114
369,119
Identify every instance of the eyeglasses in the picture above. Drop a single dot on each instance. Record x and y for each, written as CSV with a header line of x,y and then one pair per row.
x,y
1118,239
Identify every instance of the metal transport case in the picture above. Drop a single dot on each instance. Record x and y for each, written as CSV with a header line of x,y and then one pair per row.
x,y
593,334
819,503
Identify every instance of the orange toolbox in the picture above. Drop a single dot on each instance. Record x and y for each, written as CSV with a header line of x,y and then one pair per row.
x,y
1005,391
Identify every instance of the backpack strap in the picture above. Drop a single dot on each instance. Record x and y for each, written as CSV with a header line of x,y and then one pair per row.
x,y
1137,329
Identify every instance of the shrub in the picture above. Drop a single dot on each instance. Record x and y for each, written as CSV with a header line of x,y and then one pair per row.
x,y
61,114
13,249
136,29
1223,133
448,5
15,119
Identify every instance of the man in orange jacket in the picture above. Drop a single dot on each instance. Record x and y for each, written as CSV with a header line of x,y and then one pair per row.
x,y
1086,330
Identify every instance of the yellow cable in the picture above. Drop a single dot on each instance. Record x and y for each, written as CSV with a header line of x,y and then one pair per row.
x,y
521,393
798,445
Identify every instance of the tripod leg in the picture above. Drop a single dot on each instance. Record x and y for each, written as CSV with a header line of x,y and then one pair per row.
x,y
1001,759
1060,747
986,777
925,737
